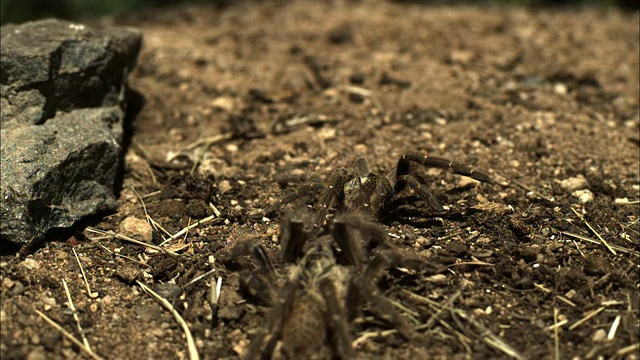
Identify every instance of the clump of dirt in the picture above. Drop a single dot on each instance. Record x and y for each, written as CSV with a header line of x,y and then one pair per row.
x,y
243,104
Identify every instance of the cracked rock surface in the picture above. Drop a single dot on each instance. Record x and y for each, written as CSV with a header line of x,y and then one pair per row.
x,y
63,105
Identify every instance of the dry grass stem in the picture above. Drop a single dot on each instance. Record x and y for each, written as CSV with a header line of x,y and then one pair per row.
x,y
531,190
68,336
215,210
84,276
578,248
628,350
589,315
439,309
566,301
110,234
193,352
75,314
200,277
150,220
588,239
478,263
208,141
556,334
372,335
124,256
606,244
412,314
485,334
614,328
543,288
206,220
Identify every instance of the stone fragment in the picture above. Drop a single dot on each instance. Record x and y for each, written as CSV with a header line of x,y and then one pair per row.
x,y
574,183
62,88
584,196
136,228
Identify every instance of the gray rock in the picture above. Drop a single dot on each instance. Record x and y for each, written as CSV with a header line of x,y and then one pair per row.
x,y
62,86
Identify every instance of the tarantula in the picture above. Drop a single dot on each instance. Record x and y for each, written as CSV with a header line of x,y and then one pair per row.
x,y
358,189
321,285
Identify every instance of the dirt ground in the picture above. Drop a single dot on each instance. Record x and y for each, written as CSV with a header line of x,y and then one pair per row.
x,y
235,107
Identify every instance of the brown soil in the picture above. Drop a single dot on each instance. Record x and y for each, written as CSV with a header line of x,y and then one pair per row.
x,y
533,97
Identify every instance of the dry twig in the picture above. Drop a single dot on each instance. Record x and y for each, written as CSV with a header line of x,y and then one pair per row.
x,y
485,334
193,352
606,244
75,314
84,276
66,334
110,235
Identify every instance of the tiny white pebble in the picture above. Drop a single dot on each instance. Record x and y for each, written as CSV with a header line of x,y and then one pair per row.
x,y
584,196
599,335
560,89
574,183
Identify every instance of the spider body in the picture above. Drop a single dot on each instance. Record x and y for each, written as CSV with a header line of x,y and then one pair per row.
x,y
321,285
358,189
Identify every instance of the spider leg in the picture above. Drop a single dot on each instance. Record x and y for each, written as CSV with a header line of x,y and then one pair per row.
x,y
440,163
350,248
371,231
272,330
403,180
360,166
293,238
362,289
335,321
256,250
331,196
381,191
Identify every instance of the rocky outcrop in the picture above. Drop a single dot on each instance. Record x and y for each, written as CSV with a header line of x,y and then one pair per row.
x,y
63,106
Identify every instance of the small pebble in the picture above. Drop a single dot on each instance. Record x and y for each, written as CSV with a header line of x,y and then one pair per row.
x,y
136,228
31,264
361,149
599,335
574,183
466,182
437,279
584,196
560,89
461,56
225,103
224,186
232,148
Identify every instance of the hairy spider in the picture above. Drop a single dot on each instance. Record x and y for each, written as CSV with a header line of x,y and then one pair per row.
x,y
325,281
358,189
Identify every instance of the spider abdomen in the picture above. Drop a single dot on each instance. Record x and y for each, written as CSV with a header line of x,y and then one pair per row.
x,y
304,330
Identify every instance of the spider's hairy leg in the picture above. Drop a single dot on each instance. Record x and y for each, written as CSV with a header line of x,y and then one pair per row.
x,y
257,272
360,166
304,195
381,191
335,319
350,249
273,326
403,180
293,236
440,163
369,230
363,290
331,196
256,250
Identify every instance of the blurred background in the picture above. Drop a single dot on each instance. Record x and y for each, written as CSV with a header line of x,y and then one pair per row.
x,y
17,11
